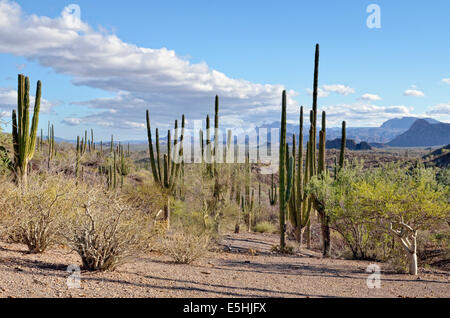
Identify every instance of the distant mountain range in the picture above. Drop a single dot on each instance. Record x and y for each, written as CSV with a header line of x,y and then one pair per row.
x,y
397,132
431,131
378,135
423,134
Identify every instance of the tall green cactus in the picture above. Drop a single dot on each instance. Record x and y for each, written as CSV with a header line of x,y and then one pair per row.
x,y
343,144
300,203
285,175
166,174
249,193
51,144
24,138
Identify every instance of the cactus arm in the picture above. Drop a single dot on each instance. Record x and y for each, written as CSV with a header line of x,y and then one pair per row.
x,y
158,156
15,136
167,176
343,144
35,121
150,148
282,172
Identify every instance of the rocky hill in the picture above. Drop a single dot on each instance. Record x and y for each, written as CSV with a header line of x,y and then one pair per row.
x,y
423,134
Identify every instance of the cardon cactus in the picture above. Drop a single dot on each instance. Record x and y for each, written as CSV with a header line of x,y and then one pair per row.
x,y
299,203
285,175
24,138
343,144
166,173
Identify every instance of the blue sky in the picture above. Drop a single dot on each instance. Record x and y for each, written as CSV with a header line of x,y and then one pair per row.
x,y
122,57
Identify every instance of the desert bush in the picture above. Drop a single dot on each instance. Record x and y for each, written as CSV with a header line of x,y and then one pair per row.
x,y
146,197
265,227
185,247
288,249
36,215
107,232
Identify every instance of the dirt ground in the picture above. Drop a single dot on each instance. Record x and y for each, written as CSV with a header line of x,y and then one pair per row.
x,y
245,268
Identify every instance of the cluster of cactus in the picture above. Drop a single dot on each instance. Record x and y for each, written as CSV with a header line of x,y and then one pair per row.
x,y
298,204
294,177
166,170
51,144
248,198
24,137
123,167
82,146
273,193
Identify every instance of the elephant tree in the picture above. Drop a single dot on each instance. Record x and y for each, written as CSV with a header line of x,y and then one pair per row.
x,y
166,172
406,201
24,138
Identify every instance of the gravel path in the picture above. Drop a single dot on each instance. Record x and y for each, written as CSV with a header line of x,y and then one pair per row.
x,y
246,268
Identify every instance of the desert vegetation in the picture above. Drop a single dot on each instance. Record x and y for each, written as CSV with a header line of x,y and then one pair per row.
x,y
110,204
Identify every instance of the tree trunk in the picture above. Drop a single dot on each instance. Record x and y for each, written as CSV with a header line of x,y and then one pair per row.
x,y
326,240
412,263
308,235
167,213
298,232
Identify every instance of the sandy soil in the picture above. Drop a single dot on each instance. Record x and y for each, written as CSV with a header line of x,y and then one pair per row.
x,y
246,268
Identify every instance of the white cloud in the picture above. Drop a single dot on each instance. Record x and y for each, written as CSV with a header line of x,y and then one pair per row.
x,y
370,97
71,121
413,92
440,109
325,90
8,101
446,80
140,77
339,89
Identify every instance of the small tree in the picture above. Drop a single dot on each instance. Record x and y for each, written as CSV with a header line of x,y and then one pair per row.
x,y
323,188
407,201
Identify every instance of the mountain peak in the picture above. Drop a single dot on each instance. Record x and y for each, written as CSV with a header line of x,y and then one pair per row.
x,y
423,133
406,122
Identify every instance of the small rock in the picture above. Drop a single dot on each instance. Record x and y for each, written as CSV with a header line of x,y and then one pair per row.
x,y
206,273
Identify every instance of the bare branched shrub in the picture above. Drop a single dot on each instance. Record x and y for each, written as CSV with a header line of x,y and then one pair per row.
x,y
185,247
107,232
36,215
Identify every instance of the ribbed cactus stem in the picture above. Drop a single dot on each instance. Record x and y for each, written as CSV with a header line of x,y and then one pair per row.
x,y
285,183
343,144
24,138
77,162
208,148
216,134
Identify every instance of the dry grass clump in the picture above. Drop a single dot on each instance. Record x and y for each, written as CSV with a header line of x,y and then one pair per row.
x,y
106,232
36,215
186,247
265,227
